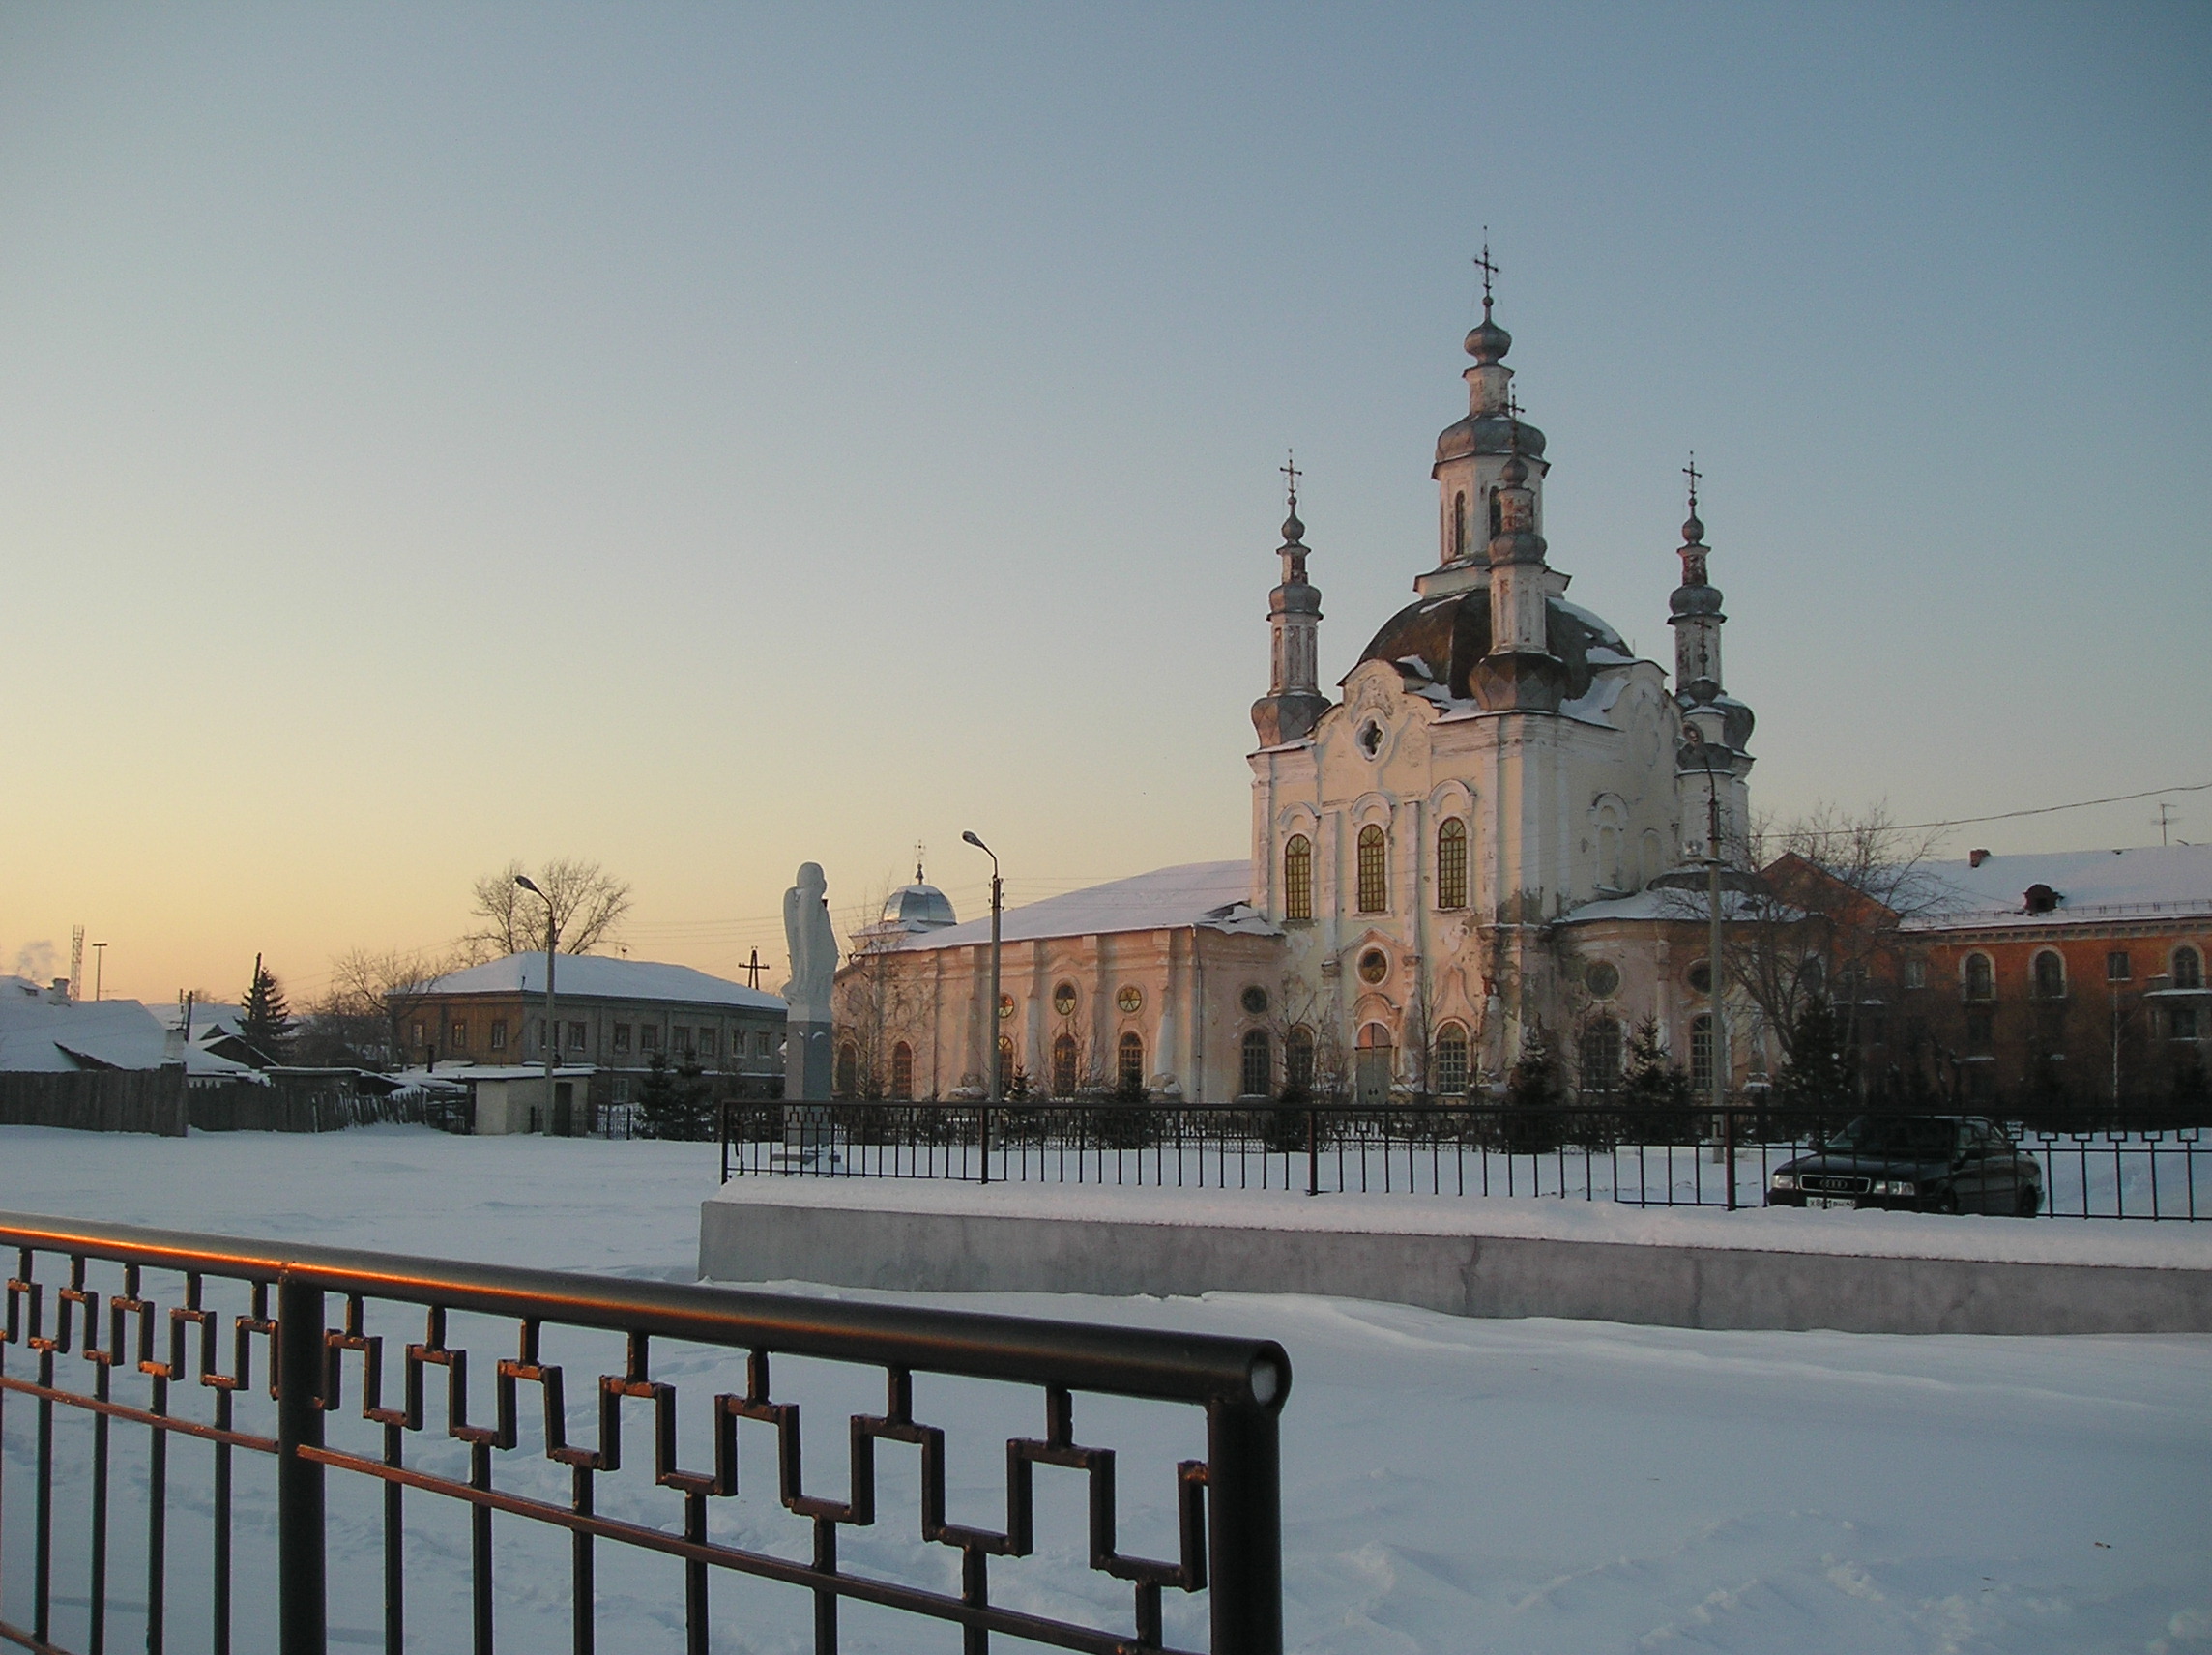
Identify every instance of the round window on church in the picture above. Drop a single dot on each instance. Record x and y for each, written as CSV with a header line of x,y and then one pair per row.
x,y
1602,978
1370,737
1063,999
1255,1001
1702,976
1374,966
1005,1005
1131,1000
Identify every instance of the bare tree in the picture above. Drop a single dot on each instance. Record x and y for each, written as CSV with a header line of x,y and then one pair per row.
x,y
390,986
1817,914
588,903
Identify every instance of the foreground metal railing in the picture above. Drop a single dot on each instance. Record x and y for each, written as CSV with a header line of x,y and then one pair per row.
x,y
2141,1167
141,1311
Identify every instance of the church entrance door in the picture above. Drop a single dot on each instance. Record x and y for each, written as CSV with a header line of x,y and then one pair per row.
x,y
1372,1065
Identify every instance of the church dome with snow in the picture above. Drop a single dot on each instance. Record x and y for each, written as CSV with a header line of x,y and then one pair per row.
x,y
918,907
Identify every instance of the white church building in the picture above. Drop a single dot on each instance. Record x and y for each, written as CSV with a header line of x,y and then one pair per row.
x,y
1478,836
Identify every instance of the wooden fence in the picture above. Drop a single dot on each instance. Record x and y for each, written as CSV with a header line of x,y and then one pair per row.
x,y
158,1102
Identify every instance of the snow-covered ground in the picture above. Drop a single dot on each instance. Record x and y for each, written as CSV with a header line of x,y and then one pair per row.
x,y
1451,1485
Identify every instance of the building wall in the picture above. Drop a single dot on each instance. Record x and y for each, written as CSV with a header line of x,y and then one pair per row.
x,y
430,1034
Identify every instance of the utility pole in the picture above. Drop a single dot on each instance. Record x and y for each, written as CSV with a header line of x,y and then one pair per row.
x,y
551,1038
991,1034
99,971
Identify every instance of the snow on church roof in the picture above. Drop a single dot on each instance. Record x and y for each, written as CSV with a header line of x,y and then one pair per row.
x,y
1212,894
604,977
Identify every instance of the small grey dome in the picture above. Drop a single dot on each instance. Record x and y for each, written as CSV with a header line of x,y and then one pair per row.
x,y
1486,341
1293,531
1487,434
1696,600
1516,472
1693,531
918,907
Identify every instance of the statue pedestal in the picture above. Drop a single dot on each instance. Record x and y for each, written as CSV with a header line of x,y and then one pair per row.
x,y
807,1132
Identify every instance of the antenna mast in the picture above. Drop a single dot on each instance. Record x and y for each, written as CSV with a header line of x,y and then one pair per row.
x,y
77,962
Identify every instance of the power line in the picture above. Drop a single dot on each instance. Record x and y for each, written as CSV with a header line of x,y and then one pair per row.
x,y
2049,809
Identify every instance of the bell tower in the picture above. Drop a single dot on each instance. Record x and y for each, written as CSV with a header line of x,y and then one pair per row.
x,y
1711,766
1294,703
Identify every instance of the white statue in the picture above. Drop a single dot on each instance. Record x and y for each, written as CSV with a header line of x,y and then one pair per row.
x,y
813,948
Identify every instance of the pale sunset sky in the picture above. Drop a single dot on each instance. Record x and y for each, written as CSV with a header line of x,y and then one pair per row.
x,y
703,439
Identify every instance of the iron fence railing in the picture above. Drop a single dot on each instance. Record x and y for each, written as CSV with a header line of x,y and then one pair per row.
x,y
1642,1156
160,1328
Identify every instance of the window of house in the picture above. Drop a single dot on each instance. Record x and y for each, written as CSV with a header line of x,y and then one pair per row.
x,y
848,1070
1130,1060
2181,1023
1496,515
1459,525
1601,1056
1063,1066
579,1038
1254,1001
1701,976
419,1032
1005,1062
648,1037
622,1036
1981,977
499,1033
1980,1029
1916,974
1451,864
459,1039
760,1046
2117,967
1298,1060
2188,968
1374,966
1259,1068
680,1039
1451,1060
709,1042
902,1070
1374,871
1297,878
2049,976
1602,977
1701,1054
1064,999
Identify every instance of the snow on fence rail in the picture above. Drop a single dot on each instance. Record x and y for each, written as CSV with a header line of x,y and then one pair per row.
x,y
142,1395
1646,1157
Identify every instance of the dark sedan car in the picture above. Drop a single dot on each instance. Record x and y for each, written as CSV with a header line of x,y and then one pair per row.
x,y
1923,1163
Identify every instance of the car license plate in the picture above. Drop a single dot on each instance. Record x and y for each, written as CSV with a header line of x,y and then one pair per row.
x,y
1848,1202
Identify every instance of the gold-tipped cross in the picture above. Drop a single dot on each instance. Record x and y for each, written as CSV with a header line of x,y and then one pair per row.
x,y
1692,472
1291,470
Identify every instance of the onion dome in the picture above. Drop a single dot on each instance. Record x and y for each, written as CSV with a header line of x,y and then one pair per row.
x,y
918,907
1486,341
1293,531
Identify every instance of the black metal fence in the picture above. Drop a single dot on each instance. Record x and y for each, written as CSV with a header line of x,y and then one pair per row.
x,y
2137,1168
163,1328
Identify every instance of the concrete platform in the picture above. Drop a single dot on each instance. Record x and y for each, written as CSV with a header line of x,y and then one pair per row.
x,y
1681,1269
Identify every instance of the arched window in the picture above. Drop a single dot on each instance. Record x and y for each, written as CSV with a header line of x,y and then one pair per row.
x,y
902,1070
2049,976
1297,1061
1601,1056
1258,1077
1005,1062
1374,871
848,1070
1063,1066
2188,968
1451,1060
1497,514
1981,977
1459,525
1701,1056
1451,864
1129,1065
1297,878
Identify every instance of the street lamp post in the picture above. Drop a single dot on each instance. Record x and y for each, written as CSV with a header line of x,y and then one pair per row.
x,y
991,1038
99,971
550,1039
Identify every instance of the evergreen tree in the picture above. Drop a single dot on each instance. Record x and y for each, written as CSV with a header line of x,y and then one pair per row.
x,y
1533,1082
1820,1074
1652,1079
656,1099
267,1025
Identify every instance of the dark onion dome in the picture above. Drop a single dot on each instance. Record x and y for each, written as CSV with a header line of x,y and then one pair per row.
x,y
1293,531
1695,600
918,907
1487,434
1451,634
1486,341
1693,531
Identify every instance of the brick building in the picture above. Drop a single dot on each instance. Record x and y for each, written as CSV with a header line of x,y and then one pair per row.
x,y
614,1014
2072,974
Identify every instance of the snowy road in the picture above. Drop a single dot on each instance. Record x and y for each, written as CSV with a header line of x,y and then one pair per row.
x,y
1451,1485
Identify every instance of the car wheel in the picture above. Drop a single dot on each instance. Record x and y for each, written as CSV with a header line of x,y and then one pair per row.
x,y
2030,1201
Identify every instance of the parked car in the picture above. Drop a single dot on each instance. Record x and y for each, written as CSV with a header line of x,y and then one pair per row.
x,y
1915,1163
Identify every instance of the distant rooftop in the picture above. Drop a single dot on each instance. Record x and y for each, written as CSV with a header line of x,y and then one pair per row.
x,y
1212,894
42,1035
2086,886
606,977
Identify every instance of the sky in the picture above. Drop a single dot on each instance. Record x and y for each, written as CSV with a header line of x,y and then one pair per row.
x,y
706,439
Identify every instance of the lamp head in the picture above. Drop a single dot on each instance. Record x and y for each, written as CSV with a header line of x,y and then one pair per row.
x,y
971,838
523,880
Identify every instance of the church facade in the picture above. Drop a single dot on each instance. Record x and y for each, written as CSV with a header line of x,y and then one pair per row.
x,y
1484,838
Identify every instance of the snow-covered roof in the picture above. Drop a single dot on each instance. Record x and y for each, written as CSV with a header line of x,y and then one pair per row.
x,y
38,1035
606,977
1661,902
2091,886
1212,894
